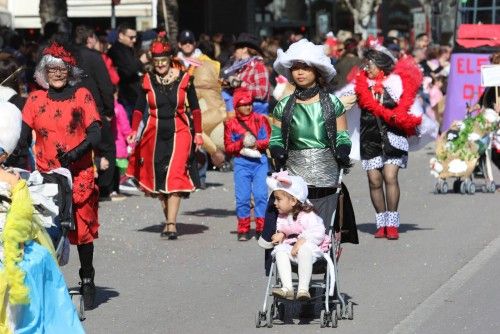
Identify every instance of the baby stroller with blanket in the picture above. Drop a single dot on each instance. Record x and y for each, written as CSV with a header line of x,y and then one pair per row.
x,y
464,152
55,188
334,305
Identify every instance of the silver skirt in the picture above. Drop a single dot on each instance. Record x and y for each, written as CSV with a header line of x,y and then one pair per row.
x,y
316,166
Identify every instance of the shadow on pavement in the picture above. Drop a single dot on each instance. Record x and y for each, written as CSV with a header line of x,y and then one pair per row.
x,y
213,184
208,212
102,296
403,228
182,228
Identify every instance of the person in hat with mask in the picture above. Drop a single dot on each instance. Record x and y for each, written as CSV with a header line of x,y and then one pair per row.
x,y
248,71
67,125
159,161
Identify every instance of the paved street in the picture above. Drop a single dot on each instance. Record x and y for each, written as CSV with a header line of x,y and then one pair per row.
x,y
441,276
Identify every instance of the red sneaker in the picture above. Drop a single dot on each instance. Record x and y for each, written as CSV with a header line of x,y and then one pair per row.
x,y
392,233
380,233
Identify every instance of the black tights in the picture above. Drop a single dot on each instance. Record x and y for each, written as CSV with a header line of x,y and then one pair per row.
x,y
387,175
86,254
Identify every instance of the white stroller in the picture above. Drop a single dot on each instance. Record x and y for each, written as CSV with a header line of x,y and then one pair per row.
x,y
334,304
52,199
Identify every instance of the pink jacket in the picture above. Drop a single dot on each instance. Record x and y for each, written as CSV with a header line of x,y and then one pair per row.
x,y
308,226
121,129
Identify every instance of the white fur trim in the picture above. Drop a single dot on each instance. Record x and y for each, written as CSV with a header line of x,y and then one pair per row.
x,y
394,86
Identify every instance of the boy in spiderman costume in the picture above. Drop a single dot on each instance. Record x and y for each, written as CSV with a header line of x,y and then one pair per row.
x,y
246,137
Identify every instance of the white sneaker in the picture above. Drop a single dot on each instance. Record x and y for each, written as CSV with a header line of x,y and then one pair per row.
x,y
128,185
284,293
303,295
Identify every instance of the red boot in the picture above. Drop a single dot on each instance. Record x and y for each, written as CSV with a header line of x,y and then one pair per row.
x,y
392,225
380,233
259,227
243,228
392,233
380,221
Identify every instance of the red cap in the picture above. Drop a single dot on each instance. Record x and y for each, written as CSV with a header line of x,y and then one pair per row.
x,y
58,51
241,97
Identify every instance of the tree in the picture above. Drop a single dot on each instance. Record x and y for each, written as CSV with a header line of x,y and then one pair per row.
x,y
362,12
170,13
53,11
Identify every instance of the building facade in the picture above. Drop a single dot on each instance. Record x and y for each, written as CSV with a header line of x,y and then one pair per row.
x,y
141,13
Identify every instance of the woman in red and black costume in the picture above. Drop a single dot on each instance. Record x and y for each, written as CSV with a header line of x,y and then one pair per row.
x,y
166,111
67,127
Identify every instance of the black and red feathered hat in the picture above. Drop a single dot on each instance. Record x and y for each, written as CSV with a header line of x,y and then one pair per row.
x,y
160,47
56,50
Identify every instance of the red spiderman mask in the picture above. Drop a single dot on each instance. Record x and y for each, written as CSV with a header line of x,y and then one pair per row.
x,y
242,97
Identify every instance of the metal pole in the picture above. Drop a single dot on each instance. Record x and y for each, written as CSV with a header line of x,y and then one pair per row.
x,y
165,19
113,15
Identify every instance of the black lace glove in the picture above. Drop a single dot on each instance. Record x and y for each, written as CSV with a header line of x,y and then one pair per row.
x,y
67,158
279,156
342,157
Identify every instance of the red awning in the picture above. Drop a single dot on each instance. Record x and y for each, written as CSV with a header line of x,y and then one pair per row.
x,y
477,35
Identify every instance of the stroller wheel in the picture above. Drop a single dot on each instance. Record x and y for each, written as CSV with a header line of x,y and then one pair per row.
x,y
269,316
437,189
338,311
463,187
323,319
258,318
444,187
471,189
334,319
81,309
492,187
350,310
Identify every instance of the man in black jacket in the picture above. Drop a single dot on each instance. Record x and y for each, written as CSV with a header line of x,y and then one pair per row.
x,y
128,65
97,80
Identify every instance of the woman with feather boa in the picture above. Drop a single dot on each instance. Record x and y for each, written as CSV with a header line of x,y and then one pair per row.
x,y
385,117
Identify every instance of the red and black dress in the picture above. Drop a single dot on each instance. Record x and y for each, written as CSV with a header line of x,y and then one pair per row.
x,y
60,120
159,162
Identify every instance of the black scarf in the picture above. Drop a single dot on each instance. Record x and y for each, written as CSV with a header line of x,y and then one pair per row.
x,y
61,94
327,107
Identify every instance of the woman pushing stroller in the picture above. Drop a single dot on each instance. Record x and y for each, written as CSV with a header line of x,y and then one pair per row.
x,y
309,130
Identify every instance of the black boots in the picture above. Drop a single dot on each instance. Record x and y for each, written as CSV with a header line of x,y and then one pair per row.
x,y
87,288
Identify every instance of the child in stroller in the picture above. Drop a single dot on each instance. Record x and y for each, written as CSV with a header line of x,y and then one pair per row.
x,y
300,235
339,227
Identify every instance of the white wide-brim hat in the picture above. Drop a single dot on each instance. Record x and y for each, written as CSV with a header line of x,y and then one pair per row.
x,y
308,53
10,126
